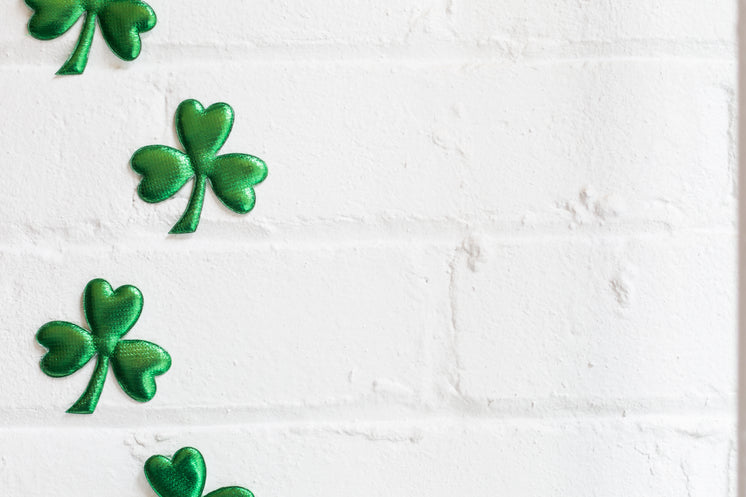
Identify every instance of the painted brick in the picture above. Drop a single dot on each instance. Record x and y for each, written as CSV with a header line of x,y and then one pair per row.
x,y
630,318
610,457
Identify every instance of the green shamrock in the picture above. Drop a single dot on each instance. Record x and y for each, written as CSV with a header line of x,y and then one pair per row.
x,y
184,476
202,132
110,315
121,23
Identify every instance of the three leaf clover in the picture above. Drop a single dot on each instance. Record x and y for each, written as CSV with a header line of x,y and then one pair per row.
x,y
110,315
121,23
184,476
202,132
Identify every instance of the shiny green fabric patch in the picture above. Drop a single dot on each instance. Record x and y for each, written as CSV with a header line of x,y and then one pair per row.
x,y
121,23
110,315
202,132
184,476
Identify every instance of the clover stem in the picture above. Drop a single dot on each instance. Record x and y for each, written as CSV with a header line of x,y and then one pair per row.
x,y
87,402
79,58
190,219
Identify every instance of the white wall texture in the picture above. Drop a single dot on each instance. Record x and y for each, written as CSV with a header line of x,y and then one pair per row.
x,y
495,254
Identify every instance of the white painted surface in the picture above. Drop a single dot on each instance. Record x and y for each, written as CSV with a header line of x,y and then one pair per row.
x,y
741,442
495,254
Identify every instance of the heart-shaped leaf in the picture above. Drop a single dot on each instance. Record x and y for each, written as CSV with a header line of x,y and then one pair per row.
x,y
182,476
110,313
70,348
230,492
232,178
52,18
136,363
203,131
165,170
121,24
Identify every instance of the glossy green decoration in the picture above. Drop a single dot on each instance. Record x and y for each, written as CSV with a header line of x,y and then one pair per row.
x,y
121,23
184,476
110,315
202,132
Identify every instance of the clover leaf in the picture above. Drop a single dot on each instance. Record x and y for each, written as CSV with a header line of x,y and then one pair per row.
x,y
202,132
110,315
184,476
121,23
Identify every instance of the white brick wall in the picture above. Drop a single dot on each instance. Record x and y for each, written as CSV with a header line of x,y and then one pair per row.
x,y
495,254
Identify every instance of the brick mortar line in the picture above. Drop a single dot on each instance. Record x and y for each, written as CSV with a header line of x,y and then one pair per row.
x,y
439,52
667,420
722,406
159,244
